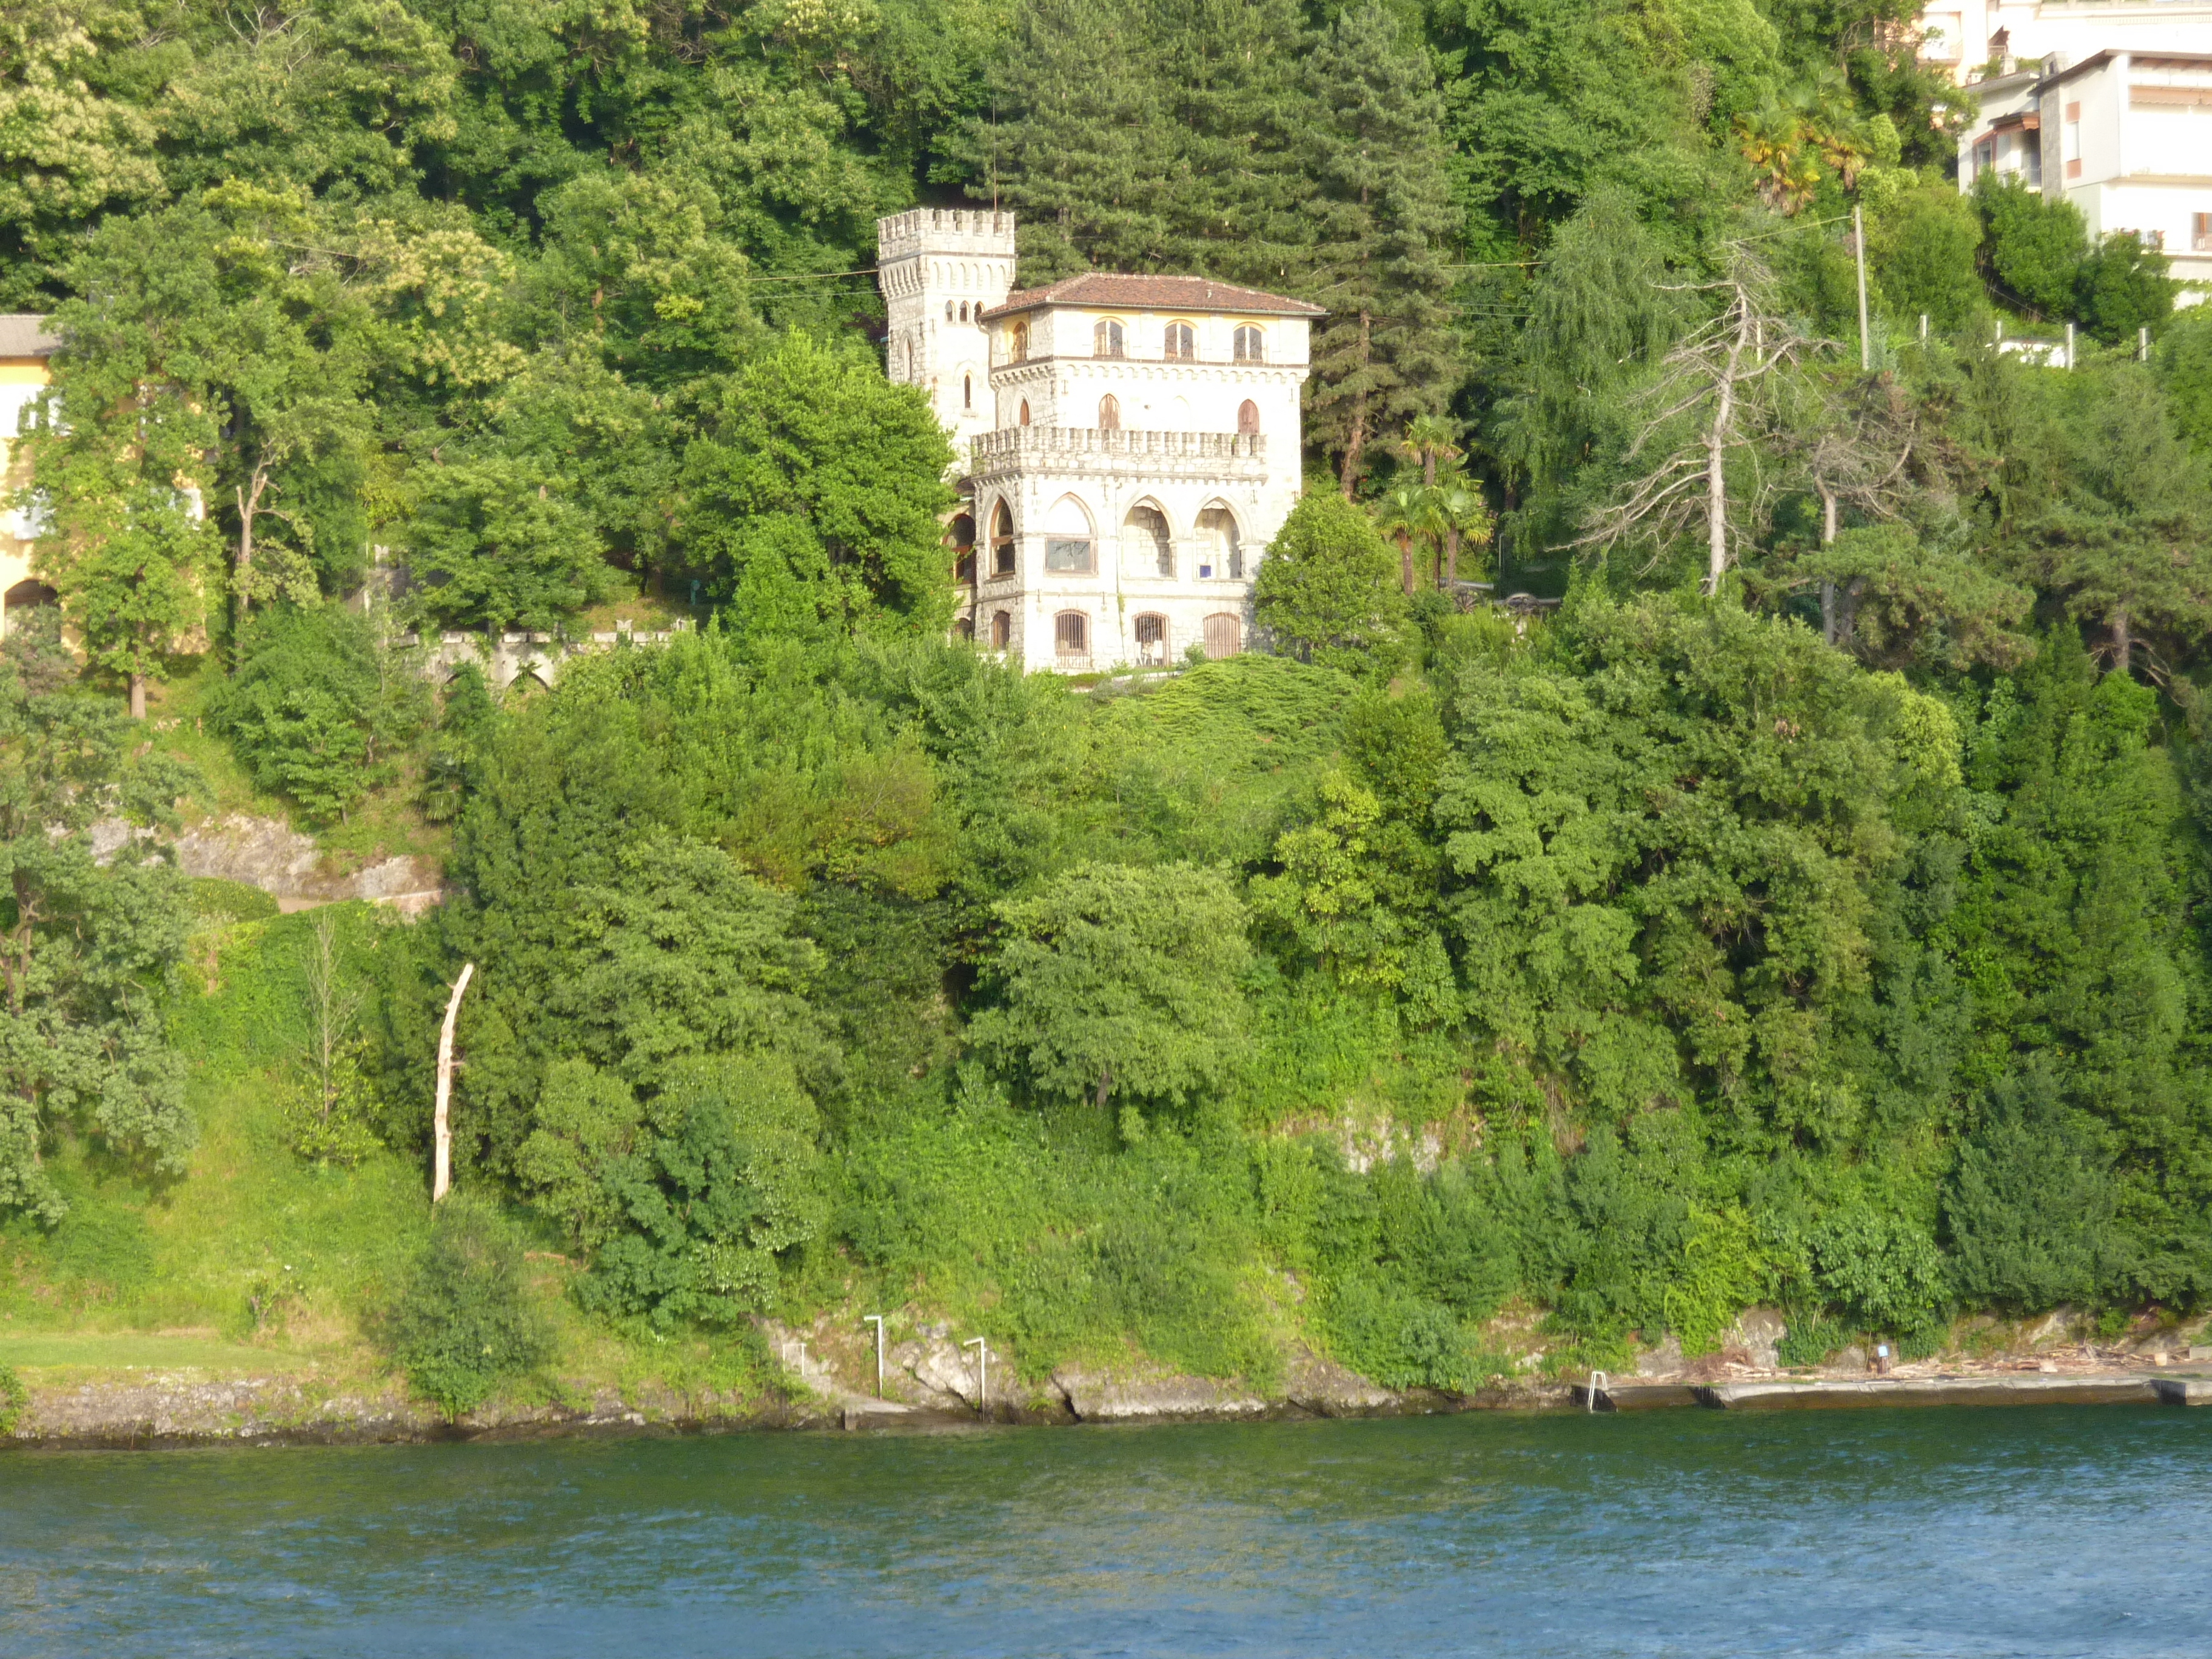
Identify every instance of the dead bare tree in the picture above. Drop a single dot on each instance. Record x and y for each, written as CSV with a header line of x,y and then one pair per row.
x,y
1722,379
1856,451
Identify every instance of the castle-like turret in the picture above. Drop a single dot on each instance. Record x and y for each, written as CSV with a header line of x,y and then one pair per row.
x,y
940,268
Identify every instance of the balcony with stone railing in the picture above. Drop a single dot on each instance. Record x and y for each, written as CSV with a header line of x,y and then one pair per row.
x,y
1093,449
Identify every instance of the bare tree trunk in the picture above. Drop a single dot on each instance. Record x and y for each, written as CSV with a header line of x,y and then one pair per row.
x,y
248,506
2123,643
1105,1085
137,696
1717,442
1827,538
1847,612
1406,561
441,1176
1451,557
1357,440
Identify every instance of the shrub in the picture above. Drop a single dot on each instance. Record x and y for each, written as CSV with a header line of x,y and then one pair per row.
x,y
2031,1205
1328,591
14,1399
465,1322
1881,1267
312,711
2035,246
216,903
2122,286
689,1198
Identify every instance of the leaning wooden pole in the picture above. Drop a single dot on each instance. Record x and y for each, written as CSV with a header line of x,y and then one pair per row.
x,y
441,1174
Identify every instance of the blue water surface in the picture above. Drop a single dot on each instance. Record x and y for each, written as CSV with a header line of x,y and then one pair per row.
x,y
2028,1531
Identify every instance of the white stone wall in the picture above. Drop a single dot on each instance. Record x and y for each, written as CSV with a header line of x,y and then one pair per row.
x,y
940,268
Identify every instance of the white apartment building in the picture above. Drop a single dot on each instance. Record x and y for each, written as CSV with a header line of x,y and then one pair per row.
x,y
2125,135
1127,445
1965,37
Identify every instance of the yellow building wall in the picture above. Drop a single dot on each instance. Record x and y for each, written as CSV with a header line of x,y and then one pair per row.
x,y
20,379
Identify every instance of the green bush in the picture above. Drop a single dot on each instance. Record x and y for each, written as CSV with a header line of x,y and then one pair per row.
x,y
2035,246
687,1199
315,709
216,903
465,1322
14,1399
2032,1204
1328,592
1881,1267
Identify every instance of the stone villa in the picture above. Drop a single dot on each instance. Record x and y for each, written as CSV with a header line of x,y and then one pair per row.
x,y
1127,445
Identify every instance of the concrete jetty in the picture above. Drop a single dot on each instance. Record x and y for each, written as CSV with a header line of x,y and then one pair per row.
x,y
1829,1393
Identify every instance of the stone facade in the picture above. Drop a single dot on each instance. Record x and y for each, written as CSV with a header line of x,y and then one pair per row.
x,y
1131,448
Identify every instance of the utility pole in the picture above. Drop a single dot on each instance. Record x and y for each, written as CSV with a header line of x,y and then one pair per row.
x,y
2142,345
1858,253
876,1320
982,1371
2070,345
1924,328
441,1173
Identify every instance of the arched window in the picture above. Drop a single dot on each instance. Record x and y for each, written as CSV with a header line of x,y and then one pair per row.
x,y
1224,635
1002,631
968,393
1219,551
963,628
1248,418
1181,343
1151,639
1109,413
1146,548
1025,411
1067,538
1071,634
1106,338
1017,339
1249,345
1002,541
948,311
963,311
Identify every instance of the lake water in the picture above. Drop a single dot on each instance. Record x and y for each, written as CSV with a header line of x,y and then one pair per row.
x,y
1951,1532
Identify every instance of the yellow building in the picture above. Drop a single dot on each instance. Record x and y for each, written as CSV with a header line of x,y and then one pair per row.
x,y
25,350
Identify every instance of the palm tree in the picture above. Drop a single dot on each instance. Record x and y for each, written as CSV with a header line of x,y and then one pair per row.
x,y
1429,439
1465,517
1406,510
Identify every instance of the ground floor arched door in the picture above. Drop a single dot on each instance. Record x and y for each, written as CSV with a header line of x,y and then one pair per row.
x,y
1225,635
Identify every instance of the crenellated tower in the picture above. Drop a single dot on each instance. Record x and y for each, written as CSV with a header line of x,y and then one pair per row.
x,y
940,268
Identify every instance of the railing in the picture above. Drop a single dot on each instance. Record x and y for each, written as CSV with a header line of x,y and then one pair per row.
x,y
1011,443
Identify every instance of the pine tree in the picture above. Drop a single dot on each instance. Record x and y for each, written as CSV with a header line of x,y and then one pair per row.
x,y
1381,211
1080,141
1234,205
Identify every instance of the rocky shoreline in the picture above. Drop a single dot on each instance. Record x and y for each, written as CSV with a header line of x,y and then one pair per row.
x,y
931,1383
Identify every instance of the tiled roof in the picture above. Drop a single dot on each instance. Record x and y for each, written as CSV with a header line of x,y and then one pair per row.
x,y
23,334
1113,287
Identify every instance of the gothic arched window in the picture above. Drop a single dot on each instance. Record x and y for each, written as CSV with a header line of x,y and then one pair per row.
x,y
963,311
1002,545
1025,411
1109,413
948,311
1019,341
1247,417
